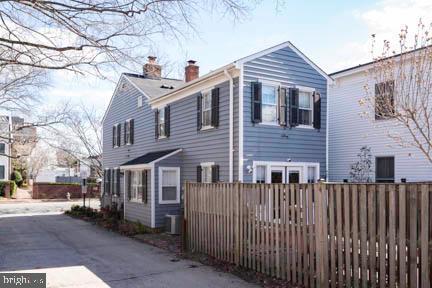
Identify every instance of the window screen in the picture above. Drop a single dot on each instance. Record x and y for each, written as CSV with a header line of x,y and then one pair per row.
x,y
384,169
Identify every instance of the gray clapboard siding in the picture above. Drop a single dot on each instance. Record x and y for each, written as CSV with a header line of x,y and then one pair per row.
x,y
140,211
198,146
275,143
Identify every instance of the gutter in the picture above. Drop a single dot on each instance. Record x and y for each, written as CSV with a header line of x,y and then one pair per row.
x,y
231,125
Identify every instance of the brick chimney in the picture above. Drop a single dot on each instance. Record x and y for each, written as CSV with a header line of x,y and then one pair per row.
x,y
152,69
191,71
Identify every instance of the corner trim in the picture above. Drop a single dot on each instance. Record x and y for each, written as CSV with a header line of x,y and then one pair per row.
x,y
241,124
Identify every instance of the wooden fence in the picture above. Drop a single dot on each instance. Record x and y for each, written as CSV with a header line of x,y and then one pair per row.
x,y
317,235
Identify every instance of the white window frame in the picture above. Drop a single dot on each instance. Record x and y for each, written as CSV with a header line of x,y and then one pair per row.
x,y
177,170
310,91
205,166
276,87
255,173
136,185
302,165
206,93
161,123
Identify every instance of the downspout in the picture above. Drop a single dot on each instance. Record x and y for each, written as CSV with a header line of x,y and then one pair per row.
x,y
231,125
327,131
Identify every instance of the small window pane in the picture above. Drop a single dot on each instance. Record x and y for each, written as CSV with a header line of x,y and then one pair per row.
x,y
169,193
305,117
269,95
169,178
269,113
305,100
2,148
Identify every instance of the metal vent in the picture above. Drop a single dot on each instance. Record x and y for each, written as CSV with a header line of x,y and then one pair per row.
x,y
173,224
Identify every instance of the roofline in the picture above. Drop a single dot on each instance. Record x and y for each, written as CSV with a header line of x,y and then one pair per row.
x,y
361,67
241,61
149,165
192,83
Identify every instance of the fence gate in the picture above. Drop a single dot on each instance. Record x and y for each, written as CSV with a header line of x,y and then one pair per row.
x,y
316,235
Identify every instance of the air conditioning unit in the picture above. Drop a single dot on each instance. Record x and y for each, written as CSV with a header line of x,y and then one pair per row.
x,y
173,224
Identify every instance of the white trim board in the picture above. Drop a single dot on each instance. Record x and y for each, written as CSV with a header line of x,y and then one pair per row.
x,y
178,185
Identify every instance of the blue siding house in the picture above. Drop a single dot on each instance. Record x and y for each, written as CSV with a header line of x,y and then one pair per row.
x,y
259,119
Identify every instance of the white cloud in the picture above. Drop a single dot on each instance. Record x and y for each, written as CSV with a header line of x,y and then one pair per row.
x,y
385,20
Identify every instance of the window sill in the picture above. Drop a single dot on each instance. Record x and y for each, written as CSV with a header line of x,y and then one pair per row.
x,y
305,127
136,201
169,202
207,128
269,124
162,138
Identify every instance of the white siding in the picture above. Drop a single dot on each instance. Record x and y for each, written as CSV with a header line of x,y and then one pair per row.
x,y
350,129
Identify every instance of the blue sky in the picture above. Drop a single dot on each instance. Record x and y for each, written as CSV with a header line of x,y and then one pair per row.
x,y
333,34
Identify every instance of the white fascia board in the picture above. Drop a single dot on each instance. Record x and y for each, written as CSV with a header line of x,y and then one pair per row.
x,y
194,86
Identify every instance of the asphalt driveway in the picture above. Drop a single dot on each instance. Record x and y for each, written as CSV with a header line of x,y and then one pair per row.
x,y
75,253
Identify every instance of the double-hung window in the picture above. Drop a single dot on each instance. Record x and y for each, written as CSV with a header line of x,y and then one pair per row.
x,y
136,186
206,109
129,132
2,148
206,173
116,136
384,100
169,185
162,122
305,108
269,104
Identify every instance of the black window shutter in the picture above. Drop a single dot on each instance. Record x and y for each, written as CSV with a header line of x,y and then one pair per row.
x,y
317,110
105,182
215,173
167,121
282,107
144,186
215,107
129,184
114,135
131,125
113,187
199,174
124,132
118,134
118,182
199,108
157,124
293,104
256,102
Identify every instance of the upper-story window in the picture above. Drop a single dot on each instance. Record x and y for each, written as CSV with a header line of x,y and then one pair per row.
x,y
275,104
269,104
162,122
2,148
116,135
208,109
129,132
305,108
384,100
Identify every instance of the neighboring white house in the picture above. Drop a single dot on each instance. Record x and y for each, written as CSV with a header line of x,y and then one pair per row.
x,y
5,160
352,125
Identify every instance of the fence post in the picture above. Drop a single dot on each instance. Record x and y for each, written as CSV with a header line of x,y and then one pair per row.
x,y
237,224
184,231
321,236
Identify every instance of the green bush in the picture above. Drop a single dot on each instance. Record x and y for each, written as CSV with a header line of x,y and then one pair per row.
x,y
17,177
13,188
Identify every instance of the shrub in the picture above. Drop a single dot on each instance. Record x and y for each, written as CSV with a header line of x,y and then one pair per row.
x,y
17,177
13,188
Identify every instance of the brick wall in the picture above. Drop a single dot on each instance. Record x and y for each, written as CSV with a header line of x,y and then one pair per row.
x,y
59,191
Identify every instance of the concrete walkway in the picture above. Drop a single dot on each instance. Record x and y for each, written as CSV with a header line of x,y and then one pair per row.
x,y
75,253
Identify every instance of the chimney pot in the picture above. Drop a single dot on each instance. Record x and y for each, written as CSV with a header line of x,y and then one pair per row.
x,y
191,71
